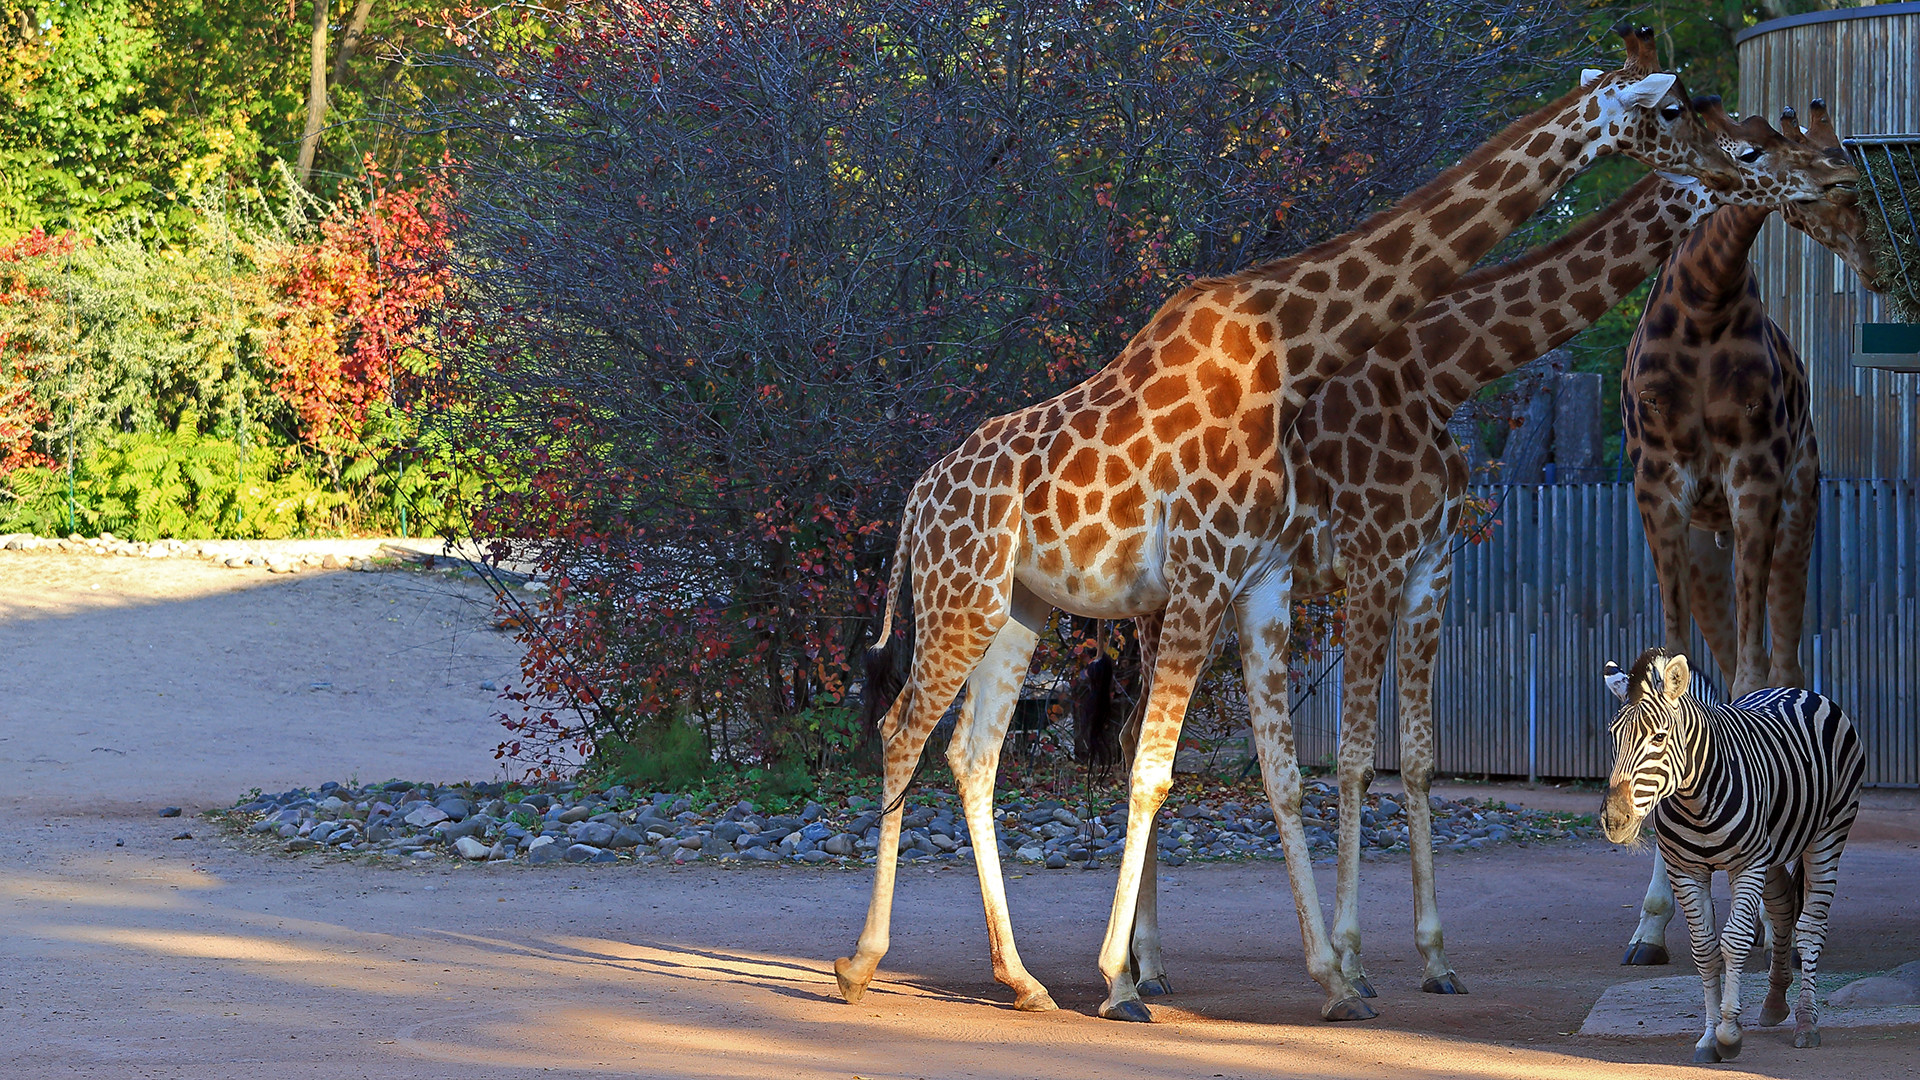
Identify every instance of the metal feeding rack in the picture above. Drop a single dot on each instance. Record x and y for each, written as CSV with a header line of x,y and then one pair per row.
x,y
1890,167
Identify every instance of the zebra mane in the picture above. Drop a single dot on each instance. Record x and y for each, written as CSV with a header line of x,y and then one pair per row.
x,y
1640,676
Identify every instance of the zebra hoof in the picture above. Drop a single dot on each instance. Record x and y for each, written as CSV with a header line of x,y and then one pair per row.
x,y
1444,984
1155,987
1706,1055
1727,1051
1806,1040
1645,954
1352,1008
1130,1010
1772,1012
1364,988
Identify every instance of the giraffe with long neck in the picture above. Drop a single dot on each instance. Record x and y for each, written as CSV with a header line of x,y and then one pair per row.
x,y
1160,484
1379,484
1719,434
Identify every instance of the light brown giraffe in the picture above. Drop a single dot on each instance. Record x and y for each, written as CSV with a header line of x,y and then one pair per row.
x,y
1726,470
1379,483
1160,483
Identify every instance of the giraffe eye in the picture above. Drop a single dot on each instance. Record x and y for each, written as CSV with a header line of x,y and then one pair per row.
x,y
1671,112
1750,154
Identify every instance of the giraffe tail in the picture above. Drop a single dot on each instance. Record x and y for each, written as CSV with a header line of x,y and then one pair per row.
x,y
888,660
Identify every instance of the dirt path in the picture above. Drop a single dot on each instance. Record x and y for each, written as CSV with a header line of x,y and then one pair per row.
x,y
128,953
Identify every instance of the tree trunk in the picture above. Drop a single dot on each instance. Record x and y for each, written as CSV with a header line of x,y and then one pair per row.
x,y
316,92
356,27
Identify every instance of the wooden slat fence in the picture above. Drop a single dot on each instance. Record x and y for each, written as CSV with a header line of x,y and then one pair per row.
x,y
1567,583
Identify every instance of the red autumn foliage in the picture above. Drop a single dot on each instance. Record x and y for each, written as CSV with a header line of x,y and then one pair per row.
x,y
21,361
355,301
733,272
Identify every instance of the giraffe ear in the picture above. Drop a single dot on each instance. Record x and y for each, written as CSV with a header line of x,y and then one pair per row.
x,y
1589,75
1677,679
1648,91
1616,680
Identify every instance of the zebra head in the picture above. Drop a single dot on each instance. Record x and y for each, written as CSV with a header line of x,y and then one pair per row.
x,y
1648,762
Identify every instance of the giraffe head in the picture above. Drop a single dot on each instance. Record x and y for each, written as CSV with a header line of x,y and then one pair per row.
x,y
1837,222
1774,169
1649,737
1644,113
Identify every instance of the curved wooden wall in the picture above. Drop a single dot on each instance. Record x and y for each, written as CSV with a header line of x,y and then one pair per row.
x,y
1866,63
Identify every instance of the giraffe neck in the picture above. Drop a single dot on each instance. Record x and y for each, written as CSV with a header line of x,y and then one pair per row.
x,y
1710,270
1361,286
1504,316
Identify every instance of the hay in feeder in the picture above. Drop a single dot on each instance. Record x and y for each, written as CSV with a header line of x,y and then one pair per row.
x,y
1893,222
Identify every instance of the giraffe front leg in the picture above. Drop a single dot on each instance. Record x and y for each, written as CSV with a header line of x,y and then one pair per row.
x,y
974,755
1736,941
1694,898
1372,596
1419,642
1148,963
1186,638
1648,945
1263,658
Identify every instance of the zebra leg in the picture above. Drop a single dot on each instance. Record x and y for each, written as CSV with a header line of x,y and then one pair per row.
x,y
1648,945
1820,866
1695,899
1736,941
1782,901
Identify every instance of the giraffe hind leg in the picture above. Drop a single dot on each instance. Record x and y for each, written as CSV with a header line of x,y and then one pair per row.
x,y
941,665
974,755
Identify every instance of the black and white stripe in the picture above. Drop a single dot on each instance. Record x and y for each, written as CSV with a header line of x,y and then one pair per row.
x,y
1765,789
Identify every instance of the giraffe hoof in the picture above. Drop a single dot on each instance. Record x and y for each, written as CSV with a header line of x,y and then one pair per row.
x,y
1037,1001
1352,1008
1155,987
1130,1010
1444,984
1645,954
850,988
1806,1040
1364,988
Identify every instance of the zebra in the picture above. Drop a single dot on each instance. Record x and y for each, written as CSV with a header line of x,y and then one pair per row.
x,y
1764,788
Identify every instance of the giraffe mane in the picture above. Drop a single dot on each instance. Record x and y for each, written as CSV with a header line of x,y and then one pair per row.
x,y
1582,231
1414,203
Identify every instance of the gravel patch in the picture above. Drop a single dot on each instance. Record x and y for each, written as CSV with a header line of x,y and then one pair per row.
x,y
404,820
276,556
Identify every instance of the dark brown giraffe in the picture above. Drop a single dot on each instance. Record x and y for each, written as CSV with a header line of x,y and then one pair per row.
x,y
1720,437
1161,483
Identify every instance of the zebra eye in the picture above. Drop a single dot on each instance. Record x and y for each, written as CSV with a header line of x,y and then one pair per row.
x,y
1659,738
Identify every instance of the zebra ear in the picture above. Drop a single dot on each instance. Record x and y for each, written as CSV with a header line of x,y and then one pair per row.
x,y
1678,677
1616,680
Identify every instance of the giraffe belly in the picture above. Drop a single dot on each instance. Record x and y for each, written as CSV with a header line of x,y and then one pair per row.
x,y
1096,595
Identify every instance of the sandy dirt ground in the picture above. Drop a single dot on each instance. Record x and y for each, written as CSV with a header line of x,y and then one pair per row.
x,y
130,954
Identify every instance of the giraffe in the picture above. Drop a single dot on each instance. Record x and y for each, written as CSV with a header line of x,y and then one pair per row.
x,y
1379,483
1725,466
1159,484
